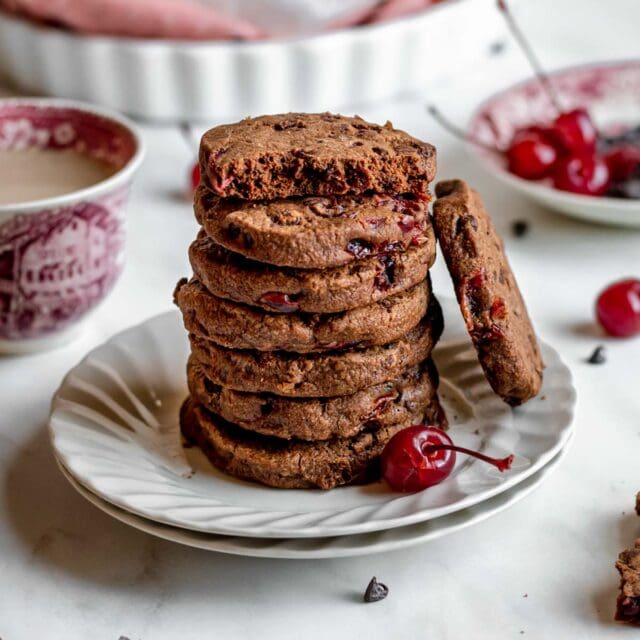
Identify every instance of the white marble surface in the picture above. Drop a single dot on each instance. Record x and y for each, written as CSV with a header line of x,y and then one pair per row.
x,y
543,569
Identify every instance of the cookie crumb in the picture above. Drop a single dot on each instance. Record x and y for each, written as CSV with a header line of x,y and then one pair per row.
x,y
375,591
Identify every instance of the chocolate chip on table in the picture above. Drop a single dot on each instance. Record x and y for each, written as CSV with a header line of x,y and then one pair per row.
x,y
375,591
520,228
497,47
597,357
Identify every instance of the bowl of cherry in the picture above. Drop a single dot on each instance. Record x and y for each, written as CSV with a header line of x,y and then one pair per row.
x,y
569,140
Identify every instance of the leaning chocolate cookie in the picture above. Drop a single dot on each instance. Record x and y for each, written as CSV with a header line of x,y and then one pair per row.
x,y
487,292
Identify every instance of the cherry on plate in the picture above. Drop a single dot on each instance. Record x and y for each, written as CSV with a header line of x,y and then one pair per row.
x,y
584,174
623,162
531,156
618,308
576,132
421,456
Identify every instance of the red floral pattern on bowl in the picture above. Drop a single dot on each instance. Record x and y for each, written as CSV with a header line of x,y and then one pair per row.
x,y
59,257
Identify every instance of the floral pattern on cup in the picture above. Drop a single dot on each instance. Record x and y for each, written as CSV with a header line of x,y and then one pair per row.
x,y
56,265
60,257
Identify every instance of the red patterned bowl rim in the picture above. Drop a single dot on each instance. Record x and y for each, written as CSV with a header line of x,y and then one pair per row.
x,y
489,159
122,176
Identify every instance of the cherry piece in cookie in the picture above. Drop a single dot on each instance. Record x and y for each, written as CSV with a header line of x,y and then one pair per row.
x,y
279,301
618,308
421,456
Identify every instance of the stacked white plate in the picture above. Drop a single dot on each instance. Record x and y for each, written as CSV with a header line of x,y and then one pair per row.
x,y
115,433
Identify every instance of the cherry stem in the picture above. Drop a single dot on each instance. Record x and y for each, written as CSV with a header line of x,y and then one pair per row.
x,y
458,132
543,78
502,464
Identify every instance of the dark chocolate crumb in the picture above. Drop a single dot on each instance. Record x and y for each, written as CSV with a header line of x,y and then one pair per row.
x,y
520,228
597,357
375,591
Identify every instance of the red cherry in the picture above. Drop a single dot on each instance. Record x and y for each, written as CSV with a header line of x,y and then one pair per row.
x,y
575,131
531,157
541,132
618,308
195,177
279,301
421,456
623,162
585,174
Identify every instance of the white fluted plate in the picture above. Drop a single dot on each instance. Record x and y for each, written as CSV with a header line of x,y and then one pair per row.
x,y
114,426
332,547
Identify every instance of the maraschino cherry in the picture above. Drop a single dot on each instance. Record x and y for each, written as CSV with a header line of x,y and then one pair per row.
x,y
421,456
585,174
618,308
623,162
575,132
531,157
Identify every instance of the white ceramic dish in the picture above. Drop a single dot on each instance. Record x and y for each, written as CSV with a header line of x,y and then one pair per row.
x,y
211,81
114,427
62,255
611,93
335,547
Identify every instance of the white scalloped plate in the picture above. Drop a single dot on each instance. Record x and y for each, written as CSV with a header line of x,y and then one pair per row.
x,y
114,426
334,547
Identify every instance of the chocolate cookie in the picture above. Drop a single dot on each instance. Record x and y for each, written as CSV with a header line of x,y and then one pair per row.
x,y
231,276
298,154
238,326
314,232
288,464
335,373
409,399
628,603
491,303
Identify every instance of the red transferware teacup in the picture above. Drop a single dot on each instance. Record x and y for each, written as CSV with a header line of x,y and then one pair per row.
x,y
61,255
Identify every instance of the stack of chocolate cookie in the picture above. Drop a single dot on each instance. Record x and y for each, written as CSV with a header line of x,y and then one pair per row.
x,y
310,312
